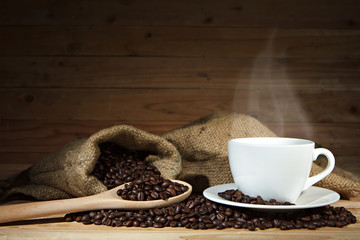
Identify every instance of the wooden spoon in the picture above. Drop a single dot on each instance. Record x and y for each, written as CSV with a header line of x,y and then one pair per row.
x,y
105,200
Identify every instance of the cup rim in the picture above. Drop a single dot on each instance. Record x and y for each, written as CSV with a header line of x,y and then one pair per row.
x,y
272,141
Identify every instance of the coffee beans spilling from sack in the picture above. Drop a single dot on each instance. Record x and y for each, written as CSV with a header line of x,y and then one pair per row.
x,y
238,196
117,165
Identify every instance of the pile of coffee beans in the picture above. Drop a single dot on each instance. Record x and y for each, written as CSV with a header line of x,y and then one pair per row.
x,y
237,196
117,165
197,212
151,188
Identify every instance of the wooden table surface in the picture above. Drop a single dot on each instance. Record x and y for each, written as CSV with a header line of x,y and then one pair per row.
x,y
54,227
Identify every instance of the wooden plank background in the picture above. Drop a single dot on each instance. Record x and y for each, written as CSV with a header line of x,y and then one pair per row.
x,y
70,68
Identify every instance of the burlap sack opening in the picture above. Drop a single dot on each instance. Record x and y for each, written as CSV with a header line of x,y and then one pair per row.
x,y
67,172
203,148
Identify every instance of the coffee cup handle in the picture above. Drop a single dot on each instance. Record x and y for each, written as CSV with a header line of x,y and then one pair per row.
x,y
330,166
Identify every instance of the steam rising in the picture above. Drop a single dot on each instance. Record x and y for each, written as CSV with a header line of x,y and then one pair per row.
x,y
272,97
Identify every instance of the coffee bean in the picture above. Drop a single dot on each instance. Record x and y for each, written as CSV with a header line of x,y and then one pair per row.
x,y
68,218
276,222
98,216
220,216
184,221
186,210
217,221
283,227
219,227
206,219
136,223
98,222
162,220
144,225
251,228
194,226
158,212
228,212
210,225
311,226
86,218
141,196
78,218
92,214
154,195
158,225
178,208
171,191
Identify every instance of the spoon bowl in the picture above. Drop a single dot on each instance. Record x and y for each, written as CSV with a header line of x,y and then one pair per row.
x,y
105,200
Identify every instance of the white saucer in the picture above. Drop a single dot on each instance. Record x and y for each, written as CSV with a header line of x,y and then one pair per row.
x,y
311,198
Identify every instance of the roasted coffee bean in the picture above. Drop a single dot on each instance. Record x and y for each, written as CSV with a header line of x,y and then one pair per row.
x,y
78,218
172,191
163,220
195,226
98,216
158,212
311,226
238,196
154,195
98,222
220,216
158,225
68,218
144,225
219,227
283,227
92,214
251,227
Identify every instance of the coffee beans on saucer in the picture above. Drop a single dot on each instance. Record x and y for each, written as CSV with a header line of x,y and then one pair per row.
x,y
238,196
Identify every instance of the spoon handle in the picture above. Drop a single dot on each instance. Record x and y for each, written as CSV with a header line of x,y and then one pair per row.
x,y
23,211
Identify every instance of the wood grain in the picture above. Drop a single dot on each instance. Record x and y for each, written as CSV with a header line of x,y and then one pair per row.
x,y
172,104
46,136
179,73
247,13
38,136
178,41
55,228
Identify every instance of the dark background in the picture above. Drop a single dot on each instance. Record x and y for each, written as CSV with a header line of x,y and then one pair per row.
x,y
70,68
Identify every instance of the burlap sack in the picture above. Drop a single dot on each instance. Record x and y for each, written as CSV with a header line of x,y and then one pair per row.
x,y
67,172
203,148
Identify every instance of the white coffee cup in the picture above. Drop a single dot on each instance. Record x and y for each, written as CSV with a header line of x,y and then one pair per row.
x,y
275,168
